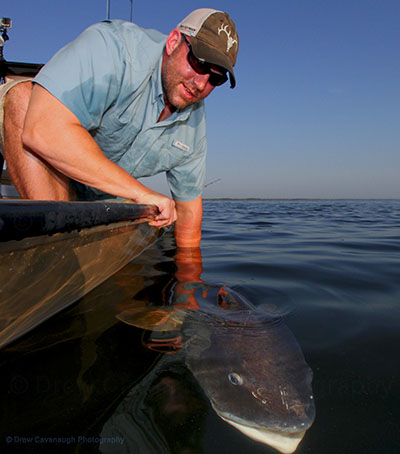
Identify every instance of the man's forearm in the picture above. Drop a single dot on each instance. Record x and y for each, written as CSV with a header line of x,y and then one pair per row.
x,y
188,261
188,223
187,238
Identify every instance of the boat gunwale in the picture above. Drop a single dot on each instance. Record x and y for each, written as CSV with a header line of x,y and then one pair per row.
x,y
87,235
20,219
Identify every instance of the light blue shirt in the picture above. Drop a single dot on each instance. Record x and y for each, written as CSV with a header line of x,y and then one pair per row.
x,y
110,78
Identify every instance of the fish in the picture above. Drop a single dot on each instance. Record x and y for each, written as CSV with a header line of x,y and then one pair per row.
x,y
246,360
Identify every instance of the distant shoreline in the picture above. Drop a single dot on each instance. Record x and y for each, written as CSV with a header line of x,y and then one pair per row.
x,y
228,199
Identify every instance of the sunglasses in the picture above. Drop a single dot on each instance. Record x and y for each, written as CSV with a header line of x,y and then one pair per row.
x,y
216,78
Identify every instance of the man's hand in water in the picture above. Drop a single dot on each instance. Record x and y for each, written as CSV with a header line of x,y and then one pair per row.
x,y
189,267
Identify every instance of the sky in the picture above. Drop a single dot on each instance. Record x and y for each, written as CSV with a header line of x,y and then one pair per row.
x,y
316,109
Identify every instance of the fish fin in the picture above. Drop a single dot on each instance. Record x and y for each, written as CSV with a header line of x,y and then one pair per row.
x,y
150,318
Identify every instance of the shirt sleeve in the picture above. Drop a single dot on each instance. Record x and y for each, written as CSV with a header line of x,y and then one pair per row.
x,y
186,182
85,74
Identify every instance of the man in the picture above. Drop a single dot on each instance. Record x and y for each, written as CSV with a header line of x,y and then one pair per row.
x,y
120,103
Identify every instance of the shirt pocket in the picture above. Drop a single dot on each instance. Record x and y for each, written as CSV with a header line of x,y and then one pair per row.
x,y
115,137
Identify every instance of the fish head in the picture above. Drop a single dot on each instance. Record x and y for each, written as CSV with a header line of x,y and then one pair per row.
x,y
257,380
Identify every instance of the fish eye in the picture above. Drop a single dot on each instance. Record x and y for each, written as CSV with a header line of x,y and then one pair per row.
x,y
235,379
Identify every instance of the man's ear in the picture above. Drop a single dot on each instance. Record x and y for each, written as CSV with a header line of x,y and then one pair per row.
x,y
173,41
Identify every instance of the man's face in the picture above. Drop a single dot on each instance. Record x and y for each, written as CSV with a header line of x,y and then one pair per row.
x,y
181,84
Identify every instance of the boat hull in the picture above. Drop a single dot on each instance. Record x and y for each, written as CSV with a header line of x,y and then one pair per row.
x,y
42,274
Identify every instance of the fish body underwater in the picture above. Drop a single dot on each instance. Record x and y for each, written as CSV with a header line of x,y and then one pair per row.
x,y
247,361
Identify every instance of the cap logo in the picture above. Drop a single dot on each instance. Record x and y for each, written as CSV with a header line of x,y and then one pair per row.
x,y
230,41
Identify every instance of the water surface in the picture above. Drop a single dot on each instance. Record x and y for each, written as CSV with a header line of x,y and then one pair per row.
x,y
330,268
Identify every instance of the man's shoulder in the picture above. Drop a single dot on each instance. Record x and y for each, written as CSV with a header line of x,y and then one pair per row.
x,y
126,42
128,33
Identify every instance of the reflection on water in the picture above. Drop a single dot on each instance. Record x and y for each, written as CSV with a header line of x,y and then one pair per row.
x,y
331,269
165,412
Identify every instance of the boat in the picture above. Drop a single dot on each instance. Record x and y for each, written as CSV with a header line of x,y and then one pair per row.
x,y
53,253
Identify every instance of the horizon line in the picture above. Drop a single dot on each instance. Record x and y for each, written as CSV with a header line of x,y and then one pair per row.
x,y
299,198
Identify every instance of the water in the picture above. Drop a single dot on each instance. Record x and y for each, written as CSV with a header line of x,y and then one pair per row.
x,y
330,268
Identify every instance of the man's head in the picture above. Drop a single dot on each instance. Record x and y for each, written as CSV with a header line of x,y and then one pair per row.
x,y
198,55
213,37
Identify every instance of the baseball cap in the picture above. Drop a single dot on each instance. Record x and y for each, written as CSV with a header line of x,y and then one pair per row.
x,y
214,38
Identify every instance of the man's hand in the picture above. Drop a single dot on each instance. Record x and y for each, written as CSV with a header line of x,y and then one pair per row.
x,y
165,205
